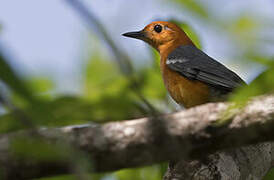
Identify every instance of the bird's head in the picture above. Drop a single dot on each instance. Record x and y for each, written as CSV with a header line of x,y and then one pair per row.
x,y
161,35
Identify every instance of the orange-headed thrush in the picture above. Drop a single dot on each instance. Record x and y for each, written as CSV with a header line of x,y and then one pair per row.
x,y
191,76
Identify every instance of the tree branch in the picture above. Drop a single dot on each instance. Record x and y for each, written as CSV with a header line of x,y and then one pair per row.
x,y
189,134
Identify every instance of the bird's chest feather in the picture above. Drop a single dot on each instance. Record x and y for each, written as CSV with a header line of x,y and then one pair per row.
x,y
184,91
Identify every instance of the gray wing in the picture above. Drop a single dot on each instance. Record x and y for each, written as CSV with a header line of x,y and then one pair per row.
x,y
194,64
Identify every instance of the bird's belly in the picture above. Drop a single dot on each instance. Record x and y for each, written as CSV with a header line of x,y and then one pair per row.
x,y
184,91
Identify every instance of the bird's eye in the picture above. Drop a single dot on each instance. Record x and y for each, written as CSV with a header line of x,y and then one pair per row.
x,y
158,28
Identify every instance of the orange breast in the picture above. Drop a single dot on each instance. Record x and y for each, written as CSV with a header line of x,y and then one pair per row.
x,y
184,91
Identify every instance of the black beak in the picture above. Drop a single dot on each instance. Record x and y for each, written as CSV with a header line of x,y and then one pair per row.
x,y
136,35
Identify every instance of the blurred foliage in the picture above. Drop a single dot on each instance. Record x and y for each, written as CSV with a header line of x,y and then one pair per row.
x,y
151,173
261,85
269,175
155,172
243,27
196,7
40,84
112,92
108,94
109,90
10,78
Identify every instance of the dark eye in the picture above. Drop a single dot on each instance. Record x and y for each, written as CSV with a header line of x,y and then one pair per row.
x,y
158,28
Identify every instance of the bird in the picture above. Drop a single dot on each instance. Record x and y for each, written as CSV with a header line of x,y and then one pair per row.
x,y
191,76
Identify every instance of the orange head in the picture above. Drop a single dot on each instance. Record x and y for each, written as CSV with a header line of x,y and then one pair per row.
x,y
162,35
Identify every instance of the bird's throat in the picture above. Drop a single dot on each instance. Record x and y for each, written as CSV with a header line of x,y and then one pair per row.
x,y
168,47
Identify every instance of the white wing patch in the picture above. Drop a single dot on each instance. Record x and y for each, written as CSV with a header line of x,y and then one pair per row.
x,y
173,61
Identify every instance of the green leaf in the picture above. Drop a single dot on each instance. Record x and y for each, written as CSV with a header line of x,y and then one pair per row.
x,y
243,24
144,173
269,175
40,84
261,59
263,84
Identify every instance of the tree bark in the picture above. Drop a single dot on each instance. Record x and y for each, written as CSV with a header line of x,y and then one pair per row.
x,y
191,135
251,162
